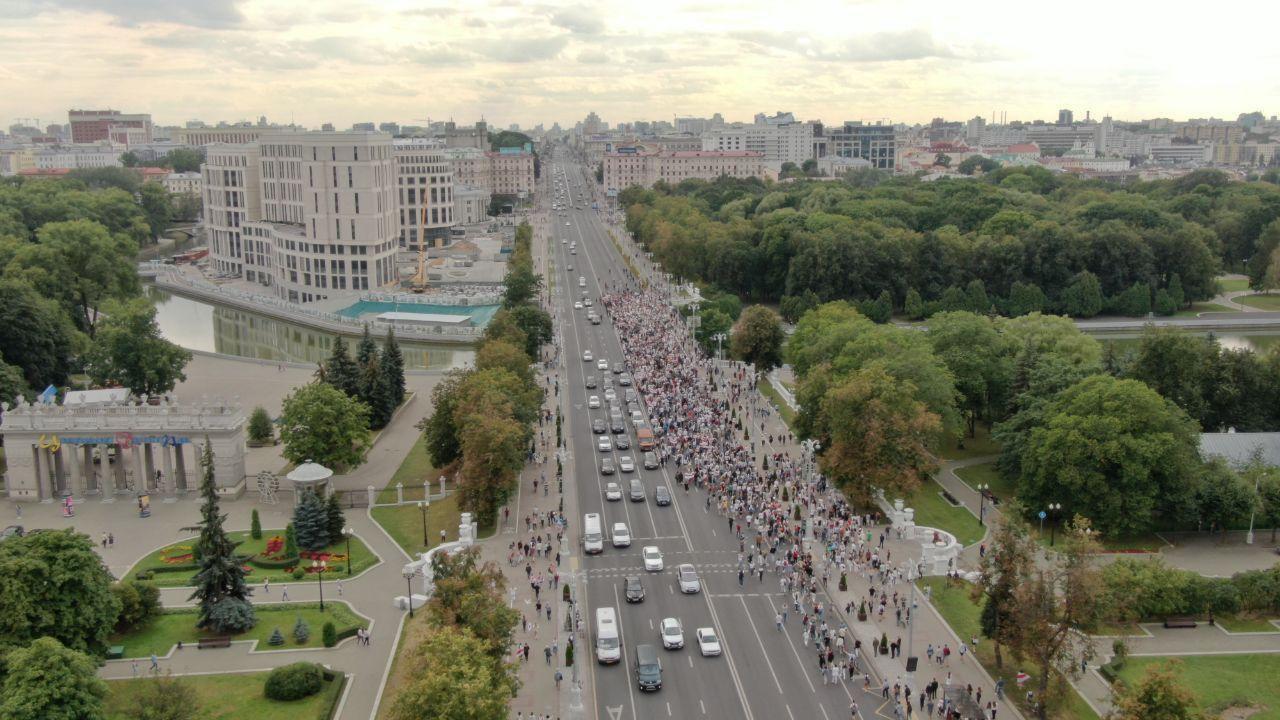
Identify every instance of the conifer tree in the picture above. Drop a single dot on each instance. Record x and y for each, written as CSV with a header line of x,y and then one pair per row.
x,y
311,522
366,351
221,575
336,519
341,371
393,367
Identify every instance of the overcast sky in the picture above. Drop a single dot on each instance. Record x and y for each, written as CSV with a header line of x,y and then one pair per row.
x,y
345,61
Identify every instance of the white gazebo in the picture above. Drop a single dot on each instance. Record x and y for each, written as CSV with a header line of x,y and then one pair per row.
x,y
310,476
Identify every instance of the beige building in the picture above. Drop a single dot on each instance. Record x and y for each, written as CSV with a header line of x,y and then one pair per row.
x,y
424,194
197,137
622,170
511,173
229,184
187,183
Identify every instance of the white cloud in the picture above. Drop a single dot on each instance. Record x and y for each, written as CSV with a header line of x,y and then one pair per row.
x,y
580,20
195,13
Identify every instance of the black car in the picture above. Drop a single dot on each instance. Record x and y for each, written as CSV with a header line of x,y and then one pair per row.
x,y
597,426
591,382
634,588
617,427
662,495
622,442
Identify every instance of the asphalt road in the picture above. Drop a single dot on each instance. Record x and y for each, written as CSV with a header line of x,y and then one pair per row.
x,y
763,674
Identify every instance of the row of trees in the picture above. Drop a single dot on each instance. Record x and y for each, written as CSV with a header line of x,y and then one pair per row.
x,y
1116,447
329,421
67,253
484,416
1036,241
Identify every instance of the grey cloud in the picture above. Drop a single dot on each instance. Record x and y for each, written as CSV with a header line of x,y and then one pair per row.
x,y
475,22
195,13
435,55
651,54
593,57
517,50
580,20
431,11
871,47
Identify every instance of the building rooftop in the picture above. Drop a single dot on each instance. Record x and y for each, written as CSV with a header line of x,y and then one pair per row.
x,y
1237,448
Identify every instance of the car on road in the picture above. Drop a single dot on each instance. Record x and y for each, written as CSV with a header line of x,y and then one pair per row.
x,y
569,268
661,495
587,356
612,491
593,402
632,398
597,426
708,643
688,580
636,492
606,466
633,588
622,442
591,382
588,302
620,368
616,426
652,558
626,464
594,318
577,306
648,668
604,444
567,223
624,379
650,460
672,634
582,281
563,241
621,535
610,395
602,364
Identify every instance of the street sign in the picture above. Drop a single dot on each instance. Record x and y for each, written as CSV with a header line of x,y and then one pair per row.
x,y
1043,515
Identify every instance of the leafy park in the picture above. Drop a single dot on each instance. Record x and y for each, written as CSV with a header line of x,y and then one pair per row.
x,y
238,696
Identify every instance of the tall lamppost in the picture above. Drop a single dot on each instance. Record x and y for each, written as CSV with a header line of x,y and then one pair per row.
x,y
1054,509
719,338
408,581
319,566
982,489
425,506
347,532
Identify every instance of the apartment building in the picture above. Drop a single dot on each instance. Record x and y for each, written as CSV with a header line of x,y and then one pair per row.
x,y
624,169
197,137
777,142
91,126
424,194
511,172
308,214
877,144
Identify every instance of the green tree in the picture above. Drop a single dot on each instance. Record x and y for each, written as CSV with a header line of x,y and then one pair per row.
x,y
979,358
976,293
335,519
376,394
340,370
454,680
1267,479
757,338
321,424
1025,298
81,265
976,163
1224,499
12,383
128,350
504,355
1134,301
53,584
1010,555
255,526
183,160
1083,297
47,681
536,324
260,429
393,368
711,322
1114,451
158,207
469,594
1175,364
165,697
942,159
440,430
914,305
493,448
219,584
311,522
875,436
1161,693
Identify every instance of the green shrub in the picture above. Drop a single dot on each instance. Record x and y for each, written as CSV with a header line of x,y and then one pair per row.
x,y
260,430
139,601
232,615
301,631
277,638
299,573
294,682
255,526
259,561
330,635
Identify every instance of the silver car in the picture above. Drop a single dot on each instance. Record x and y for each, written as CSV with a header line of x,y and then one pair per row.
x,y
626,464
688,579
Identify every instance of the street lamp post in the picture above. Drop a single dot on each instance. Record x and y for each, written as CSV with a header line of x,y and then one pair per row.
x,y
719,338
424,506
982,489
347,532
320,566
408,581
1054,509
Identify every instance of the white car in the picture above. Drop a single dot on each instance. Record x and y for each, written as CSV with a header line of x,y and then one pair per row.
x,y
672,634
602,364
611,395
577,306
593,402
564,241
626,464
588,302
604,444
621,535
687,578
587,356
567,223
612,491
708,643
652,558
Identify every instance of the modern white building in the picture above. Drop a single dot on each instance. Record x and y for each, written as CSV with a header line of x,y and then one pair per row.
x,y
470,204
424,194
75,157
323,219
777,142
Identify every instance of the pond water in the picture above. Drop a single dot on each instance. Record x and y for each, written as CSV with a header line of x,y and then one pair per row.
x,y
1259,341
199,325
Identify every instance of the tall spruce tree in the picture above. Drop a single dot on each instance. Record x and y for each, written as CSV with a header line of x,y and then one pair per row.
x,y
393,367
341,371
336,519
376,393
367,350
311,522
221,575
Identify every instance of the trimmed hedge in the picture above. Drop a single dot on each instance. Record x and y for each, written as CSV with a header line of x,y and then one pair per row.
x,y
327,712
1140,590
265,564
294,682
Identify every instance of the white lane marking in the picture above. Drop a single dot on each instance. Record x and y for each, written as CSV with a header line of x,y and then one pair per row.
x,y
622,642
823,708
803,672
668,709
733,669
789,713
615,712
702,707
763,651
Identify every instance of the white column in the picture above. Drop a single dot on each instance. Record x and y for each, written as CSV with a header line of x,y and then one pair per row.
x,y
167,459
37,462
139,470
86,467
75,479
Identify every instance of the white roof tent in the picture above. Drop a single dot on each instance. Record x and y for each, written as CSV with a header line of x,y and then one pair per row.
x,y
426,319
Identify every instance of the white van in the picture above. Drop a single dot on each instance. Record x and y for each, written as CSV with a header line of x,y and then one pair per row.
x,y
608,641
582,281
592,536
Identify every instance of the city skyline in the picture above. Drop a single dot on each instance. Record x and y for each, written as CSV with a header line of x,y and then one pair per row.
x,y
527,64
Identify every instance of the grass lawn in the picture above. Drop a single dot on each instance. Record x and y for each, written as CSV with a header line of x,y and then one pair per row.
x,y
1233,284
986,473
165,630
363,559
1262,302
1204,307
788,415
1219,681
230,697
414,469
1234,623
977,446
933,511
952,601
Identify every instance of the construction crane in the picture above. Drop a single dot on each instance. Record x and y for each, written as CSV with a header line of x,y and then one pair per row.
x,y
419,281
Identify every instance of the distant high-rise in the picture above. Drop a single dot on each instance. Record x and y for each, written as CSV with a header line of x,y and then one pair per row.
x,y
1066,117
877,144
89,126
327,127
592,125
363,127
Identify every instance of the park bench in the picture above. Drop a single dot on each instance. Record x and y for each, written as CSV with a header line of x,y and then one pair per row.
x,y
1180,622
115,652
215,642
